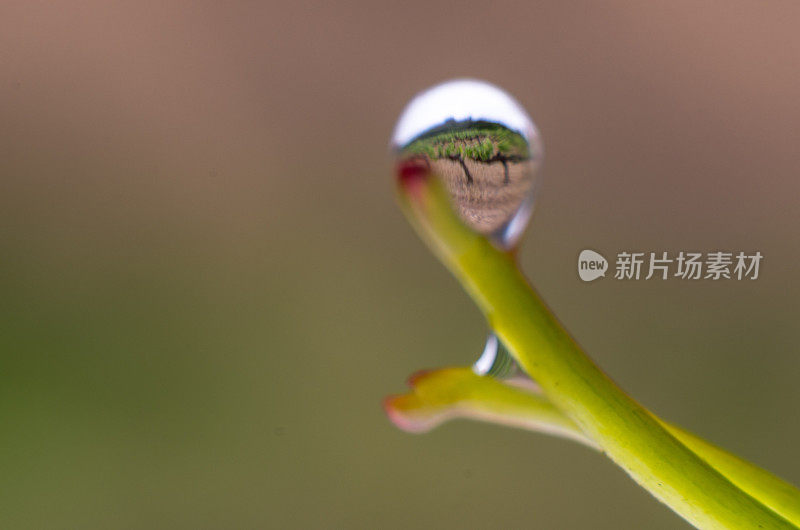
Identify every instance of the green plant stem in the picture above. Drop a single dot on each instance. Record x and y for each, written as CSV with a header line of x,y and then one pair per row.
x,y
439,395
625,431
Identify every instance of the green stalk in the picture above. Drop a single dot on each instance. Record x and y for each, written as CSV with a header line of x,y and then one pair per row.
x,y
448,393
625,431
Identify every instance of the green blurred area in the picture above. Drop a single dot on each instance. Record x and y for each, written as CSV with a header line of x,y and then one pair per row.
x,y
206,288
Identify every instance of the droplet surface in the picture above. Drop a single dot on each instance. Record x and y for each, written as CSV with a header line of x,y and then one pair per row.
x,y
484,146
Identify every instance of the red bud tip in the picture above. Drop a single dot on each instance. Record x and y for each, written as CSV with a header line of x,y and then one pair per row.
x,y
411,173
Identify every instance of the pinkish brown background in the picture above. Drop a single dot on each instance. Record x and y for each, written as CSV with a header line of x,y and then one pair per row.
x,y
206,288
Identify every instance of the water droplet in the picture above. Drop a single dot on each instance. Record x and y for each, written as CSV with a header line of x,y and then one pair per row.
x,y
484,146
496,360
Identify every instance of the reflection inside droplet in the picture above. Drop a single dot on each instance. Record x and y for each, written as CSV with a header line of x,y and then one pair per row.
x,y
483,145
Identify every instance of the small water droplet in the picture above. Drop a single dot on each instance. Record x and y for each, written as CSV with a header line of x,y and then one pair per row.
x,y
496,360
484,146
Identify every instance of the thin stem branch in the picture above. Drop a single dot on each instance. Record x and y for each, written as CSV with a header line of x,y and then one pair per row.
x,y
625,431
440,395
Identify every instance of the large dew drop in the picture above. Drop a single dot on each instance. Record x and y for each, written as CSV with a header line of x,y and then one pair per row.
x,y
485,147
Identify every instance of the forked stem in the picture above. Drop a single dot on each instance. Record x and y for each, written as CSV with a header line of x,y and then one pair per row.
x,y
440,395
624,430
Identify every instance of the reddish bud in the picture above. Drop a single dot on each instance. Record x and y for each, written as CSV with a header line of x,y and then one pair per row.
x,y
411,174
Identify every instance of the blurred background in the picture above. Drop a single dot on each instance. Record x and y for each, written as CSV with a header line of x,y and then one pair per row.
x,y
206,288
